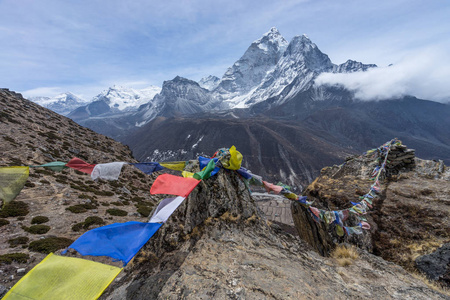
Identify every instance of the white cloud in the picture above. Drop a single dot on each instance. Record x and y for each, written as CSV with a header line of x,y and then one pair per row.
x,y
423,74
42,91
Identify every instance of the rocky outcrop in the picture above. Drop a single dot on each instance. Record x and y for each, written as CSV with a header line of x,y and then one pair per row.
x,y
409,218
217,246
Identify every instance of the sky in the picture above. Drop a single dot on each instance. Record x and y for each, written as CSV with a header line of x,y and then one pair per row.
x,y
51,46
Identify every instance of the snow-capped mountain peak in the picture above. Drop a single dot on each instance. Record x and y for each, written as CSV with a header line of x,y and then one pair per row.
x,y
62,104
272,37
248,72
126,99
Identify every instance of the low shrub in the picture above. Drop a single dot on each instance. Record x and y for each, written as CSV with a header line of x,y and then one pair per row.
x,y
93,220
78,226
116,212
39,220
30,184
14,209
144,210
21,240
3,222
50,244
81,208
37,229
17,257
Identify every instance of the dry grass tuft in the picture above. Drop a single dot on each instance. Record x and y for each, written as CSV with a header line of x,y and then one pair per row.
x,y
345,255
436,286
227,216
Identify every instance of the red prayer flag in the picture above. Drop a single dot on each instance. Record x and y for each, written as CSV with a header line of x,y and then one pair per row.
x,y
272,187
173,185
80,165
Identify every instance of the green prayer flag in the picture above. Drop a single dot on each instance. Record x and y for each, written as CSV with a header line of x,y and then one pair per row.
x,y
206,172
56,166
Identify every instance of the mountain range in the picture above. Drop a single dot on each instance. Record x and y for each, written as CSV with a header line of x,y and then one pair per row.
x,y
269,93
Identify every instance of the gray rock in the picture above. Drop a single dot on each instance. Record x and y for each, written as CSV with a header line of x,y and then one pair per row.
x,y
21,271
3,290
436,264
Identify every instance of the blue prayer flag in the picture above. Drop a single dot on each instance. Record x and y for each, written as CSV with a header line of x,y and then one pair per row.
x,y
244,173
120,241
148,167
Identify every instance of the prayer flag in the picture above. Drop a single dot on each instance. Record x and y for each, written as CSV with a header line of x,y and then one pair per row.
x,y
173,185
120,241
235,160
148,167
165,209
272,187
245,173
59,277
12,180
187,174
57,166
108,171
174,165
205,173
80,165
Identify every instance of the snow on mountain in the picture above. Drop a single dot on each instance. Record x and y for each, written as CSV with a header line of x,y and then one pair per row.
x,y
248,72
126,99
210,82
62,104
294,72
351,66
300,64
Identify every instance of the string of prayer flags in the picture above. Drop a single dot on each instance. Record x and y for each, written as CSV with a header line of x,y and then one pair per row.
x,y
108,171
120,241
174,165
68,278
205,173
165,209
12,181
173,185
56,166
148,167
80,165
272,187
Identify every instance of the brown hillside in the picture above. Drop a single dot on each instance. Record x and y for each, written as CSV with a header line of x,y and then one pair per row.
x,y
71,200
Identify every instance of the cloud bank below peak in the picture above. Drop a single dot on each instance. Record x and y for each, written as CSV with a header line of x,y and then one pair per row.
x,y
421,74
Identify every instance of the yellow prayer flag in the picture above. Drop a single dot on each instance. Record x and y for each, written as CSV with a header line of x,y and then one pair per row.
x,y
12,180
187,174
235,160
291,196
174,165
60,277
